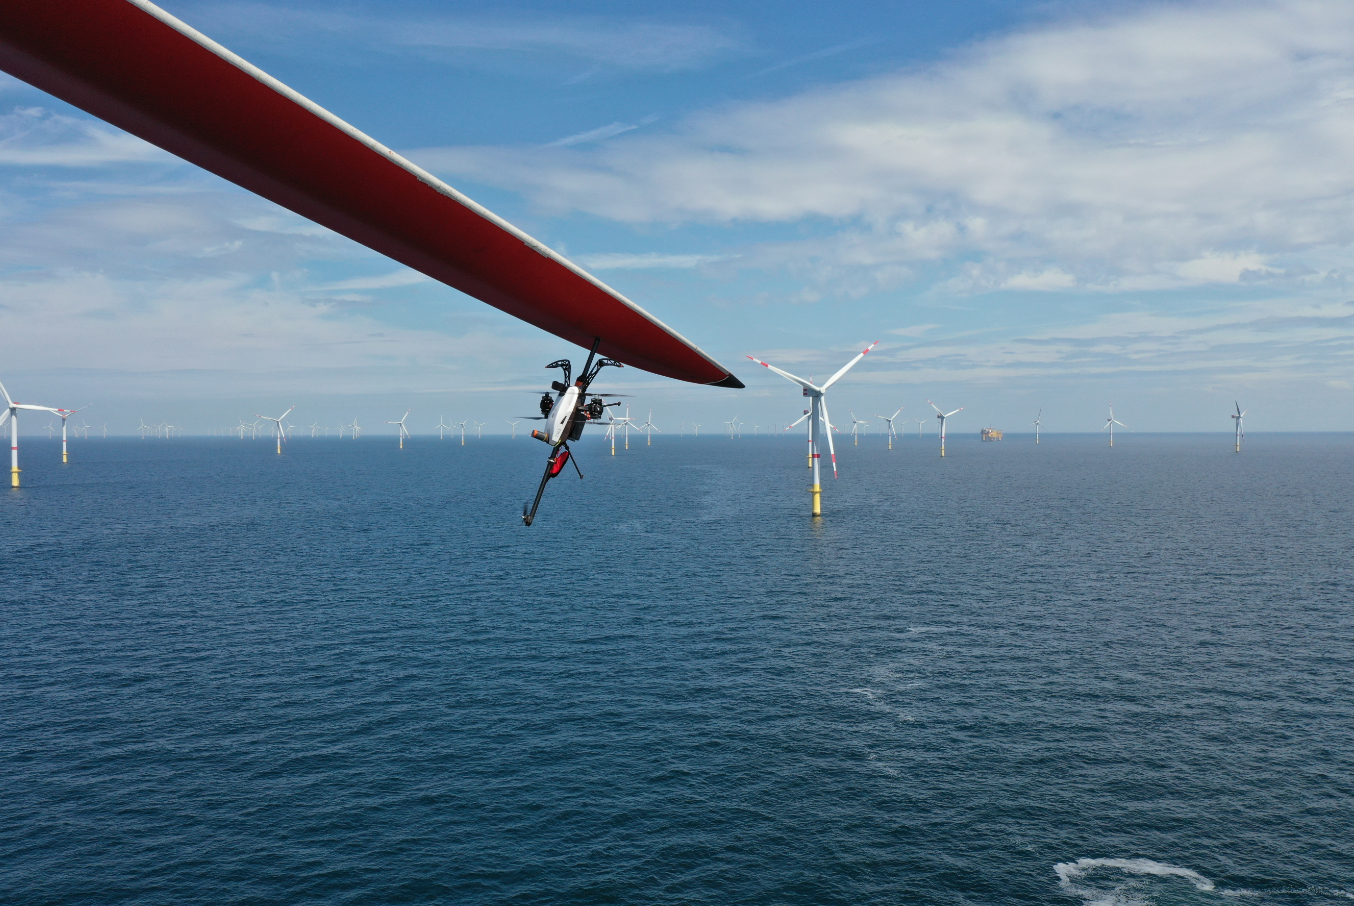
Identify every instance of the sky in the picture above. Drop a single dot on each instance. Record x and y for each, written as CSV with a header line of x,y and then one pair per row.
x,y
1031,206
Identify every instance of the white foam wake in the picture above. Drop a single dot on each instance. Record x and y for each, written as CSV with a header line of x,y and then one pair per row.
x,y
1070,876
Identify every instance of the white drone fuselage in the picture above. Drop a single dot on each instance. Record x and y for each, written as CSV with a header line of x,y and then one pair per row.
x,y
561,418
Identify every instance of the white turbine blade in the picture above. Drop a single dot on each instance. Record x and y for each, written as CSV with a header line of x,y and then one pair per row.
x,y
800,421
935,407
1120,424
8,401
4,417
895,415
955,412
830,449
1104,426
847,367
285,414
785,374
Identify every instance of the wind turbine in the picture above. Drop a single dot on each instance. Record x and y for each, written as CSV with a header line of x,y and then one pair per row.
x,y
462,427
648,428
12,413
65,414
695,429
889,419
818,412
1110,423
1036,425
143,428
315,430
479,433
920,423
943,416
281,428
514,428
625,422
1240,431
441,428
856,430
404,432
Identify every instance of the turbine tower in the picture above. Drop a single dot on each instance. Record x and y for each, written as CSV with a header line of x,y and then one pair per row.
x,y
404,432
1036,425
514,428
441,428
281,428
12,414
1240,431
942,416
920,423
818,413
889,419
1110,423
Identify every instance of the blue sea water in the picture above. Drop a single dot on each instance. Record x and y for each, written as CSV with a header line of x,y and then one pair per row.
x,y
1052,674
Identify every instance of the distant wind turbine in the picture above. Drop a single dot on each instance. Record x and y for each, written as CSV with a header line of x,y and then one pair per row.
x,y
1240,431
514,428
943,417
65,414
404,432
889,419
856,429
1110,423
648,428
920,423
1036,425
281,427
441,428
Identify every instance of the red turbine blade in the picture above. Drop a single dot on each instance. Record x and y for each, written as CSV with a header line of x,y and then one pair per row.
x,y
135,66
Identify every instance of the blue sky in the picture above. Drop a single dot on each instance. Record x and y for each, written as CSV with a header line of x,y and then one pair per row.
x,y
1056,206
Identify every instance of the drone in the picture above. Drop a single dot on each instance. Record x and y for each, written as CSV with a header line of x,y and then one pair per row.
x,y
566,414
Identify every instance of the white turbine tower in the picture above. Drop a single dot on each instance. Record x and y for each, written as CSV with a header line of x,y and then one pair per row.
x,y
1110,423
462,427
441,428
1240,431
281,428
695,430
514,428
404,432
889,419
818,412
920,422
1036,425
943,417
12,414
648,428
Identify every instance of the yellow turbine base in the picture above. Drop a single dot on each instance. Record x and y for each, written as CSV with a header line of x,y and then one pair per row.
x,y
63,456
817,499
14,477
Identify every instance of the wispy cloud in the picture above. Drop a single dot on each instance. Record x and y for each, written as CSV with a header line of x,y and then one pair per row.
x,y
593,135
623,261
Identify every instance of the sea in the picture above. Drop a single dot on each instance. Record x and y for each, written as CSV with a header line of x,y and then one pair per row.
x,y
1059,673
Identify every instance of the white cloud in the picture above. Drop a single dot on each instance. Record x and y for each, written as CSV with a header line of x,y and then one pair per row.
x,y
1169,147
593,135
33,136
